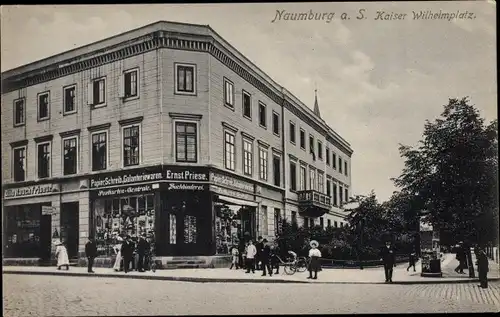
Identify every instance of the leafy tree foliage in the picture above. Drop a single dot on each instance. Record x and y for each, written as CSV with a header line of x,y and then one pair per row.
x,y
453,174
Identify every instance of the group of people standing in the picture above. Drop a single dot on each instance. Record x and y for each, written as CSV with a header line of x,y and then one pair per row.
x,y
481,262
265,256
133,254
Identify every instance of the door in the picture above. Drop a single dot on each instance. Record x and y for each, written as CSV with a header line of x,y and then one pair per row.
x,y
45,238
70,227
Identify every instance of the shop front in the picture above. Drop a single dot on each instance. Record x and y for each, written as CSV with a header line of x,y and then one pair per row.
x,y
235,211
27,216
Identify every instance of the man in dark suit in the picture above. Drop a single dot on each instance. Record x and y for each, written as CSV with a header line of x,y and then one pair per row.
x,y
90,253
482,267
127,252
142,248
260,249
388,257
266,258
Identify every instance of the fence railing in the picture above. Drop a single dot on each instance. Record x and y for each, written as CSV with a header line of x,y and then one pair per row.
x,y
354,263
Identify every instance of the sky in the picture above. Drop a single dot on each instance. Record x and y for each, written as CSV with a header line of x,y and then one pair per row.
x,y
377,80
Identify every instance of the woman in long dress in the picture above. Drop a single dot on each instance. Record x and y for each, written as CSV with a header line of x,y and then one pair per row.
x,y
118,252
62,256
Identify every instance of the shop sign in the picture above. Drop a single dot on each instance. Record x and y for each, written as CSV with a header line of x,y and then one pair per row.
x,y
231,182
185,175
48,210
132,190
35,190
231,193
125,179
177,186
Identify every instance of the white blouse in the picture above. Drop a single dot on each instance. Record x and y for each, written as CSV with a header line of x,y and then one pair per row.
x,y
314,252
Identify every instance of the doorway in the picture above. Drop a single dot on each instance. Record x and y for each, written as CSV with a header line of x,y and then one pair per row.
x,y
70,227
45,238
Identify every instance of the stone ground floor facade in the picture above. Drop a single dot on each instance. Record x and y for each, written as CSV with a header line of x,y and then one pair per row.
x,y
189,211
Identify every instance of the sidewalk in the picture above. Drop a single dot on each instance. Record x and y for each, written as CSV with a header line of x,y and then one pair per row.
x,y
328,276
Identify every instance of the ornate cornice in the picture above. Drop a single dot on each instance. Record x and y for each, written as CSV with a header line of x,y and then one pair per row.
x,y
171,40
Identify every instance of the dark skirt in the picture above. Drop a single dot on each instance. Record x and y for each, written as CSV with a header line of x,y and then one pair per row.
x,y
315,265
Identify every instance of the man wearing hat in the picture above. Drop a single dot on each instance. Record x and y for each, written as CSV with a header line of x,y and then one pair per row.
x,y
314,255
142,248
265,257
388,256
91,253
127,252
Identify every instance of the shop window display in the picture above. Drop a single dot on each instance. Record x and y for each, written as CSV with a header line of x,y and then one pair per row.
x,y
227,228
22,231
133,216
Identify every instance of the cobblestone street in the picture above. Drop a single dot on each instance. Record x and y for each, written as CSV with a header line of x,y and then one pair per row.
x,y
25,295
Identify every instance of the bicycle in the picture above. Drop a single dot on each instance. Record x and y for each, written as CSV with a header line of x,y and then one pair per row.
x,y
303,263
289,267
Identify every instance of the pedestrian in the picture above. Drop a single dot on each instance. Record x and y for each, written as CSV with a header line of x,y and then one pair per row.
x,y
266,259
412,261
90,253
142,249
234,258
388,257
127,251
250,257
314,255
241,253
482,267
62,256
134,253
461,258
275,252
117,248
258,256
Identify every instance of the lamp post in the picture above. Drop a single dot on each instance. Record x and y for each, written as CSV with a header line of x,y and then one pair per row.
x,y
360,251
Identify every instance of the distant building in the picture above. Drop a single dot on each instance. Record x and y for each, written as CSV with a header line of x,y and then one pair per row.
x,y
164,130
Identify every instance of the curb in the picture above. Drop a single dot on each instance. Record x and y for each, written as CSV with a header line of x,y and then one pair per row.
x,y
238,280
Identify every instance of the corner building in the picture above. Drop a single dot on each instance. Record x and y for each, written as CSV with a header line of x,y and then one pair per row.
x,y
166,130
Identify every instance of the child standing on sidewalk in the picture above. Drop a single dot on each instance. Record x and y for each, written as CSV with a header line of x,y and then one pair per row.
x,y
235,255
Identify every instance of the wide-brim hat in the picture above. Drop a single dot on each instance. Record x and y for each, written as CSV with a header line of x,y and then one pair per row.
x,y
314,244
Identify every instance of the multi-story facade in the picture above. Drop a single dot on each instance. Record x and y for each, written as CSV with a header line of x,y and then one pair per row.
x,y
164,130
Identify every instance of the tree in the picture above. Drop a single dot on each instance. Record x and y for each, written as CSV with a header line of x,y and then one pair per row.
x,y
453,173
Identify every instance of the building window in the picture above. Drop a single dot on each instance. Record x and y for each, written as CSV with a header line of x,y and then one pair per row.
x,y
340,165
302,179
302,139
311,222
346,194
334,194
328,189
247,105
276,123
131,145
277,170
185,78
341,199
345,168
229,152
321,181
99,151
277,221
341,224
69,99
98,92
43,160
294,217
327,156
265,225
312,179
263,164
19,161
186,142
321,222
131,83
336,224
247,157
19,112
311,147
43,106
228,93
262,115
329,223
334,160
320,150
292,132
70,155
293,176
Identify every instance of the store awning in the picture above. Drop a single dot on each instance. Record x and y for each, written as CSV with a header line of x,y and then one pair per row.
x,y
236,201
